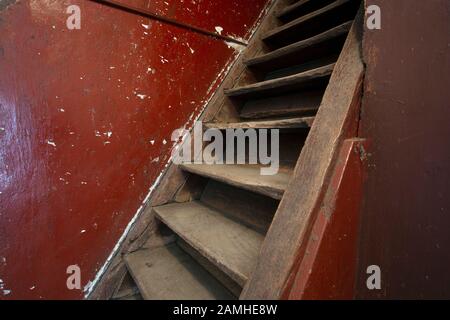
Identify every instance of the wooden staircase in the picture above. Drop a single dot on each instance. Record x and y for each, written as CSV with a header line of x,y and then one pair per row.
x,y
217,235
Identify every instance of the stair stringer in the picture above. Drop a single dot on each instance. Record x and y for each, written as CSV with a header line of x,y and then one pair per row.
x,y
284,247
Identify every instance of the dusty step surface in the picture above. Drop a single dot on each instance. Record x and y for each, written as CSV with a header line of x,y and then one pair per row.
x,y
244,176
287,105
281,85
169,273
229,245
302,50
289,123
313,23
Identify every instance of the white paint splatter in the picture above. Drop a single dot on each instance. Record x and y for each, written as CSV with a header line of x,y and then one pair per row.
x,y
192,50
146,26
164,141
141,96
152,142
50,142
236,46
83,231
61,110
219,29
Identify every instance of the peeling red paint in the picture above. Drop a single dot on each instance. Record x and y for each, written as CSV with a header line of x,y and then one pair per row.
x,y
86,118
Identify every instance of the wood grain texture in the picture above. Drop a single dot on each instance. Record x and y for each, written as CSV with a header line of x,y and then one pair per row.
x,y
229,245
222,277
289,123
300,51
169,273
244,176
283,245
251,209
302,104
313,23
281,85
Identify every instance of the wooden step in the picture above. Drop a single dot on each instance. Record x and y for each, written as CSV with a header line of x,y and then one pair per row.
x,y
308,79
229,245
220,276
286,105
169,273
244,176
301,8
248,208
290,123
323,44
313,23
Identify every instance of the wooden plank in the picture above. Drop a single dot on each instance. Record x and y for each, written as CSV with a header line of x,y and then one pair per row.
x,y
311,24
289,123
168,273
285,84
128,290
223,278
284,244
251,209
301,8
326,42
306,103
229,245
244,176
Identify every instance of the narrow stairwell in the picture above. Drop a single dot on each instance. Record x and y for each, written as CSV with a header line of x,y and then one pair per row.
x,y
219,233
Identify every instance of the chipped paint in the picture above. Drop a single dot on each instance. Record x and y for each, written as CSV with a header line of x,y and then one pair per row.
x,y
105,127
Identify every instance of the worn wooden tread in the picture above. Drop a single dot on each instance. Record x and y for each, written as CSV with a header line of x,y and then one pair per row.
x,y
168,273
244,176
289,123
286,105
232,247
279,84
297,47
299,21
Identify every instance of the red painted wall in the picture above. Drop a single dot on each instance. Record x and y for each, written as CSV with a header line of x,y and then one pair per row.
x,y
405,114
86,118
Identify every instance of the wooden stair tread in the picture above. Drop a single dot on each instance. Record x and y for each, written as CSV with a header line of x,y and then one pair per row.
x,y
310,24
229,245
281,84
168,273
302,122
296,48
307,17
244,176
287,105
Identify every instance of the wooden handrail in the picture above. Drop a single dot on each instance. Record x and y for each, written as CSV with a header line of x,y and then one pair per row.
x,y
284,245
148,14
